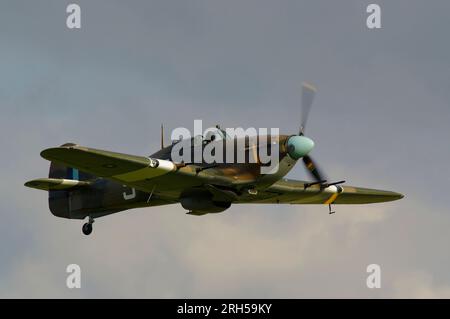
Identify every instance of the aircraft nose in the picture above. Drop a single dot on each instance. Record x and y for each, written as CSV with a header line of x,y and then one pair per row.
x,y
299,146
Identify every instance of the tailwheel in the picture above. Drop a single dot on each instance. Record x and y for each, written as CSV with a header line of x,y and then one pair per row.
x,y
87,227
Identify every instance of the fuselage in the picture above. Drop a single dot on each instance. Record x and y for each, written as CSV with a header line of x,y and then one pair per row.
x,y
106,196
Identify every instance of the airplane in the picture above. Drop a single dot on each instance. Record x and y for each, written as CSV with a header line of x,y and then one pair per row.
x,y
90,183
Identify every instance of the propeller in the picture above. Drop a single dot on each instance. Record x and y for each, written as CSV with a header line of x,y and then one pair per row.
x,y
299,146
308,93
313,170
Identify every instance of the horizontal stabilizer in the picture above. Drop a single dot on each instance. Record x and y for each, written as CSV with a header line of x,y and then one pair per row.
x,y
55,184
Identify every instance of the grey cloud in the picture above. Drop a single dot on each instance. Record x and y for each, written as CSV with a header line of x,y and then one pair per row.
x,y
380,120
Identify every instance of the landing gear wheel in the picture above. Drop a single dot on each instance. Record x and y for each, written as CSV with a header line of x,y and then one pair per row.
x,y
87,229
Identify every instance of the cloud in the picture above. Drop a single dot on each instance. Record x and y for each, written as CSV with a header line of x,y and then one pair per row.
x,y
217,256
420,285
380,120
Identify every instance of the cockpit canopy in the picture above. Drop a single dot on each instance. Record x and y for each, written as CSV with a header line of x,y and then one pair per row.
x,y
211,134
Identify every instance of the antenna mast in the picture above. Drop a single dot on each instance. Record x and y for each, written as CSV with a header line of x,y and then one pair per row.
x,y
162,136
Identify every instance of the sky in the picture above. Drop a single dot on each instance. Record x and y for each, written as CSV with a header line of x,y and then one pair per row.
x,y
380,120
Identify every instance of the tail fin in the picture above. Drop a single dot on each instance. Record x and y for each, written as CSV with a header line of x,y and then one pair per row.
x,y
60,171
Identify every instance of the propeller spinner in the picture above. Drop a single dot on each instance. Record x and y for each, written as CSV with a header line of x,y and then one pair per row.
x,y
299,146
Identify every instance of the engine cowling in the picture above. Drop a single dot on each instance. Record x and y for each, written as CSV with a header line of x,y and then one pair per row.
x,y
201,202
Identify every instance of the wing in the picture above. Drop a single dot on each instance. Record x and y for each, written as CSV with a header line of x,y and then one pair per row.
x,y
294,192
124,168
158,176
144,173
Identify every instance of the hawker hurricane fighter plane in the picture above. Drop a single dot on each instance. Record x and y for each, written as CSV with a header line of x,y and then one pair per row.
x,y
89,183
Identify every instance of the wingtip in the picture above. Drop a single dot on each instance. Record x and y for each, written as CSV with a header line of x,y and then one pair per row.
x,y
35,183
395,196
309,86
46,154
400,196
